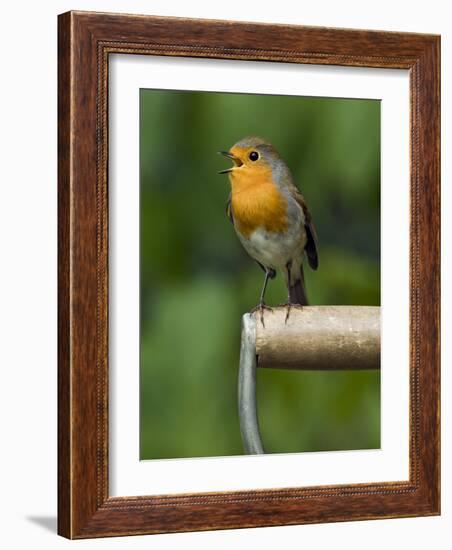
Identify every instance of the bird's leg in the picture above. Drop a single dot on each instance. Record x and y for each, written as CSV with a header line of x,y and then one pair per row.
x,y
264,288
289,303
269,274
293,300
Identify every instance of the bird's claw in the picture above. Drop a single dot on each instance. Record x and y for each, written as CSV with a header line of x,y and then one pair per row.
x,y
261,308
288,306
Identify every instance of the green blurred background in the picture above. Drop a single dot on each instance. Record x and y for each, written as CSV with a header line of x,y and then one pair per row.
x,y
197,281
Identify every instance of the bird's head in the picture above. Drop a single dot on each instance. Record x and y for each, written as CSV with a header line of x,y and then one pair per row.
x,y
254,160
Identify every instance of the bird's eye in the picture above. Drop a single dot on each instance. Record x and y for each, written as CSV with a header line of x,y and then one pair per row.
x,y
254,155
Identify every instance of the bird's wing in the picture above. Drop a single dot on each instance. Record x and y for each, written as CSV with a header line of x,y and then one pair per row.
x,y
312,241
229,210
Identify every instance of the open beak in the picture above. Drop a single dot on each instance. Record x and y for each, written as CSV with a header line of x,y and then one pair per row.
x,y
236,160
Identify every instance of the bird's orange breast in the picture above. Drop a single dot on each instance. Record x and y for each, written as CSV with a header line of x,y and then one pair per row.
x,y
257,202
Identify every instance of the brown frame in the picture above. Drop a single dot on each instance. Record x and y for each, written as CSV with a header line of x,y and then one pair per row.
x,y
85,41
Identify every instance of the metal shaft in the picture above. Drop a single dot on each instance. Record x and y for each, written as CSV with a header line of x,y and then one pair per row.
x,y
249,425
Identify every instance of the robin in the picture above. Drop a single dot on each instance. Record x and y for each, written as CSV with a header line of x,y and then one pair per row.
x,y
270,216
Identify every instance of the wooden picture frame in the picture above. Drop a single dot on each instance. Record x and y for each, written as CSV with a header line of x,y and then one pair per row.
x,y
85,42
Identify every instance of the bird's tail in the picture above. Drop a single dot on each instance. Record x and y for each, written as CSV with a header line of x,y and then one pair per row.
x,y
297,290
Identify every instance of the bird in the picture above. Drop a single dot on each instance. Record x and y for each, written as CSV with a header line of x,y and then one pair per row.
x,y
271,217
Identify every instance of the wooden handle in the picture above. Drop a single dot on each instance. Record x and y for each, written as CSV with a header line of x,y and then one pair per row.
x,y
319,338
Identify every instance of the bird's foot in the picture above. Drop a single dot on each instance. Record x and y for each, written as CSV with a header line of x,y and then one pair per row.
x,y
289,305
261,308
